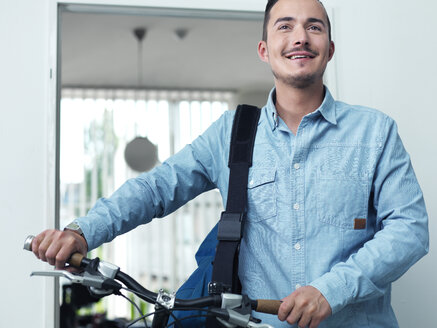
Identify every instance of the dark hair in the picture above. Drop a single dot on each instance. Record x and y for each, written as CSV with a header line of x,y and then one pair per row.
x,y
269,6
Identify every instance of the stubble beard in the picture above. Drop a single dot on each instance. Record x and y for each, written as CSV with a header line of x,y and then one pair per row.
x,y
302,81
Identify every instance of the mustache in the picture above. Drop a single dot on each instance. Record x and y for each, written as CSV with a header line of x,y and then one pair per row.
x,y
300,49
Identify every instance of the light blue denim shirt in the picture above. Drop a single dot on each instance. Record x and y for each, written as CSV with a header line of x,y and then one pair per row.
x,y
336,206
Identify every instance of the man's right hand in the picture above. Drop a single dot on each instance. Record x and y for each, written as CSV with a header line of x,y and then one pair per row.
x,y
56,247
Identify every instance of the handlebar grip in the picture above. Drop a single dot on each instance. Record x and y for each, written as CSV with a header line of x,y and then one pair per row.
x,y
268,306
76,260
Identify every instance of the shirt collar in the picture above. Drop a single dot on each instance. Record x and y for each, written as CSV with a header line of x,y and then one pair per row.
x,y
326,109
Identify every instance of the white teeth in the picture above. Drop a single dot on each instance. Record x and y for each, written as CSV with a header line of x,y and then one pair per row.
x,y
297,57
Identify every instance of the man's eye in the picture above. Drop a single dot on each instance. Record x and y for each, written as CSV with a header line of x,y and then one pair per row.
x,y
284,27
315,28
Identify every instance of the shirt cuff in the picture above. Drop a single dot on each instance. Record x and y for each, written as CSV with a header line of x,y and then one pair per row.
x,y
334,290
90,232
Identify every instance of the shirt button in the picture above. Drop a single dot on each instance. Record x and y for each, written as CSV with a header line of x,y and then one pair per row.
x,y
251,182
296,206
297,166
297,246
298,286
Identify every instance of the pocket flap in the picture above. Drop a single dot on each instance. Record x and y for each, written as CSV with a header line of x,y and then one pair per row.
x,y
260,177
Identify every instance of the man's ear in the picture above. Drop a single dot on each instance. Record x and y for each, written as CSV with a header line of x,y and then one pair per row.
x,y
263,52
331,49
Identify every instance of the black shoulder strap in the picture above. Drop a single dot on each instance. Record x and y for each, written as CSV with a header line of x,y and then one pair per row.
x,y
230,227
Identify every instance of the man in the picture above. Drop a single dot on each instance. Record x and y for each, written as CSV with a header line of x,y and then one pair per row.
x,y
335,213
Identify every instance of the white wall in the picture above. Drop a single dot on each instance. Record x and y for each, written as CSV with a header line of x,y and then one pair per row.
x,y
386,59
24,201
385,53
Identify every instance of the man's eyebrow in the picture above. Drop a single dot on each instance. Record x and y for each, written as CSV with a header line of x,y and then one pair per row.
x,y
289,19
284,19
315,20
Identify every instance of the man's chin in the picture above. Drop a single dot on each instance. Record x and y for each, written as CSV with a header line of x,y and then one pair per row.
x,y
299,82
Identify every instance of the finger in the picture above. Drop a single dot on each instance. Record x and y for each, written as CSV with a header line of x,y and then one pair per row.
x,y
314,323
285,308
304,320
52,253
294,315
63,255
72,269
60,249
71,243
316,319
45,240
35,245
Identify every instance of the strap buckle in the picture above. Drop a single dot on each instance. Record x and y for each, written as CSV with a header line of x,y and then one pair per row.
x,y
230,227
218,288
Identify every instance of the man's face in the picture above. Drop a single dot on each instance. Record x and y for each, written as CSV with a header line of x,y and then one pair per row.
x,y
297,47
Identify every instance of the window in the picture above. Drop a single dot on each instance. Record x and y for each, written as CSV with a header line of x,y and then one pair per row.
x,y
96,126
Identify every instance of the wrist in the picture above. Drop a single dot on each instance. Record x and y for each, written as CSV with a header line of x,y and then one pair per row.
x,y
74,227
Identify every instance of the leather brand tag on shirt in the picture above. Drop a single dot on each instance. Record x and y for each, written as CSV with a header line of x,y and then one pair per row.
x,y
360,224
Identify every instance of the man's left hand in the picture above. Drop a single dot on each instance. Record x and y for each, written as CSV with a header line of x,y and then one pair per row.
x,y
306,306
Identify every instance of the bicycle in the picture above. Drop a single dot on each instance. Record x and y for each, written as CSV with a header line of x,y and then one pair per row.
x,y
103,279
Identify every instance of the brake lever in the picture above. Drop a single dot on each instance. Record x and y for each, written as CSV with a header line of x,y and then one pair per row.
x,y
76,279
258,325
235,319
239,311
103,284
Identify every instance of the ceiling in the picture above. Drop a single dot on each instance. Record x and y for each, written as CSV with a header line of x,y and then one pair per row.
x,y
218,51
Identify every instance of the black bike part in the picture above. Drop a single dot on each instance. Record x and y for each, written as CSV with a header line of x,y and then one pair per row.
x,y
245,307
85,262
130,283
212,300
92,266
160,319
150,297
111,284
219,313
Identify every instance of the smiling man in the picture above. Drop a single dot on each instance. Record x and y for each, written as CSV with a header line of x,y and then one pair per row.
x,y
334,212
347,238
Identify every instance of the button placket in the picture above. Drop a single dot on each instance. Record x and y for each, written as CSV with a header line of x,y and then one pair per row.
x,y
298,176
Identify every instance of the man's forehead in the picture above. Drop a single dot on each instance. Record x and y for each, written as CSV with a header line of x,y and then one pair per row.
x,y
298,9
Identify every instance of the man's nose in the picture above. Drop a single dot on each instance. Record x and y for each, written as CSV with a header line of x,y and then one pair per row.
x,y
300,36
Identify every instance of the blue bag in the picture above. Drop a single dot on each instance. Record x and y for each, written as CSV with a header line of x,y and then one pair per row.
x,y
197,284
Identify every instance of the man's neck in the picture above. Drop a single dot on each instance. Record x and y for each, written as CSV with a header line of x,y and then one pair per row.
x,y
293,104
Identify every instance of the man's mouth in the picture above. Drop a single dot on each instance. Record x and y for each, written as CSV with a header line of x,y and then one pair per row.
x,y
299,57
300,54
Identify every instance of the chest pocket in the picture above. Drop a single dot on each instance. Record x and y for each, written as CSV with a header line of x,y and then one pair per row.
x,y
341,199
261,194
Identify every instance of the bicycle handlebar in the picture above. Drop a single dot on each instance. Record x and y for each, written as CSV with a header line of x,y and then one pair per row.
x,y
110,272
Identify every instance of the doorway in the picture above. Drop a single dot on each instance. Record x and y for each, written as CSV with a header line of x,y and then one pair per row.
x,y
189,64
